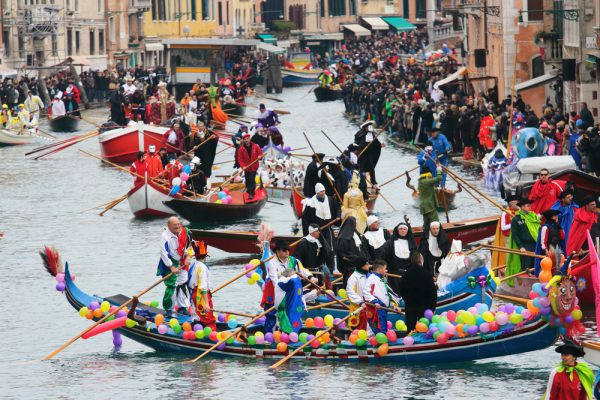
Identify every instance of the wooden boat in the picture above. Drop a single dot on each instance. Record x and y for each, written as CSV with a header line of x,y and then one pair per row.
x,y
147,200
467,231
121,145
444,196
327,94
9,138
458,295
236,109
592,351
297,198
299,77
198,211
533,334
64,123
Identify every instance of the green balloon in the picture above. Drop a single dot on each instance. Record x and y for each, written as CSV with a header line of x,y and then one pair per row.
x,y
130,323
200,334
230,339
177,328
207,331
436,319
381,338
360,342
251,340
154,303
436,334
303,336
110,318
424,320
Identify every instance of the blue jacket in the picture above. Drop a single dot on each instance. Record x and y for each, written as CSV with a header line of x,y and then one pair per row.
x,y
426,161
441,146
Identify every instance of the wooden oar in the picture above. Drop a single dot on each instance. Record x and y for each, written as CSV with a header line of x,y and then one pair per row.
x,y
514,299
320,306
325,172
61,148
283,360
268,97
445,204
396,177
234,175
513,251
239,314
473,250
113,204
60,142
104,318
332,142
378,192
498,267
517,274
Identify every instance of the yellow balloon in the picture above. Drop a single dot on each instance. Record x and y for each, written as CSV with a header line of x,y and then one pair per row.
x,y
488,316
362,334
342,293
259,334
219,201
251,281
83,311
255,277
254,262
105,306
328,320
257,179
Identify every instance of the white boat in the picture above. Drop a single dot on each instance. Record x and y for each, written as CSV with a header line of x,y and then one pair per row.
x,y
10,138
592,351
146,200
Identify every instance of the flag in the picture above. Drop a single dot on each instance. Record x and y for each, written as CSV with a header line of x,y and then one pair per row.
x,y
595,265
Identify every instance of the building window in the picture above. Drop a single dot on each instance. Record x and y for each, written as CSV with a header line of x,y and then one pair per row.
x,y
420,9
227,12
101,41
154,10
99,5
337,7
92,42
193,9
537,67
69,42
111,30
21,44
322,8
535,10
405,9
54,44
220,12
161,10
352,7
77,42
205,9
6,41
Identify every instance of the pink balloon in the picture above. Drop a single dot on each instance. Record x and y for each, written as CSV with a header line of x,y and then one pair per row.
x,y
285,338
293,337
391,335
184,176
408,341
319,323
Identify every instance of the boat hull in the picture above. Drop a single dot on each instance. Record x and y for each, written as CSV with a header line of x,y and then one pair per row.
x,y
146,200
327,94
298,77
235,109
122,145
64,123
297,200
8,138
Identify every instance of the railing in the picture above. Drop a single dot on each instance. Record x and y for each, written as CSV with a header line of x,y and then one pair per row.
x,y
140,3
444,31
553,49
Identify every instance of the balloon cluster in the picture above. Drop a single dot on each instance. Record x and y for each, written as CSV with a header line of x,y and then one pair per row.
x,y
177,182
282,339
99,309
224,197
381,340
322,322
540,302
256,274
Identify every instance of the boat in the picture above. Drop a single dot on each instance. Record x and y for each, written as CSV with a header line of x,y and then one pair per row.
x,y
121,145
467,231
519,177
445,197
297,201
299,77
147,200
64,123
10,138
458,295
202,211
592,351
327,94
234,109
584,183
532,334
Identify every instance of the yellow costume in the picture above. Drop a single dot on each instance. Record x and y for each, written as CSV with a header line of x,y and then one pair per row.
x,y
354,205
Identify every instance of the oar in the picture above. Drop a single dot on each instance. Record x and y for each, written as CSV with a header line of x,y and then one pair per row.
x,y
282,361
332,142
104,318
234,175
61,148
396,177
239,314
498,267
113,204
514,299
445,204
267,97
282,112
320,306
517,274
513,251
378,192
325,172
60,142
473,250
243,273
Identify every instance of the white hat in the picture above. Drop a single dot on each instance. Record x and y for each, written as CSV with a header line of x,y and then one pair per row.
x,y
371,219
195,160
319,187
366,124
152,148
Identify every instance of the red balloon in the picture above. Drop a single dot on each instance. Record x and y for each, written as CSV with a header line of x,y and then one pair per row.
x,y
494,326
442,338
391,335
213,336
373,341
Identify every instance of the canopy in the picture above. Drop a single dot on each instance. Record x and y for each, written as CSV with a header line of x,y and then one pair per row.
x,y
451,78
154,46
376,23
338,36
399,24
74,60
357,30
271,48
266,38
7,71
535,82
532,165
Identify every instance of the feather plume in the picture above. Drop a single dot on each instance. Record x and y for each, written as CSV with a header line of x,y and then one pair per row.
x,y
51,259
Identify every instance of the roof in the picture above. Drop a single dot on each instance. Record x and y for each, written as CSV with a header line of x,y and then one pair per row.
x,y
74,60
325,36
535,82
266,38
210,42
532,165
451,78
376,23
357,29
399,23
270,48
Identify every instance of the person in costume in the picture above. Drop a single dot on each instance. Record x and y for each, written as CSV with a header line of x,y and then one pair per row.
x,y
173,168
354,204
274,269
348,247
503,230
418,291
426,159
315,253
566,209
197,181
397,251
544,192
312,175
354,290
549,238
155,166
570,380
205,151
442,149
139,168
34,105
173,243
375,237
266,116
427,196
199,285
321,210
365,138
434,247
290,301
377,294
524,230
334,178
585,217
247,156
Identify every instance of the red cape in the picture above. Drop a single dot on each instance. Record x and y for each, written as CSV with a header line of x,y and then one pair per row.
x,y
582,222
544,195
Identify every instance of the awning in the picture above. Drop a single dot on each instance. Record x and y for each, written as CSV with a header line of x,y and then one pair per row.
x,y
185,43
399,24
154,46
451,78
339,36
121,54
270,48
266,38
376,23
357,30
6,71
74,60
535,82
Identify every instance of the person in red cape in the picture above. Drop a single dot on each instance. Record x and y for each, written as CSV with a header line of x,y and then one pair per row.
x,y
173,168
154,162
570,380
247,154
139,168
485,136
544,192
585,217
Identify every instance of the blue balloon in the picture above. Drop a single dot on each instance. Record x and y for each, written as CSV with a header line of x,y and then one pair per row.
x,y
187,169
174,190
232,323
222,195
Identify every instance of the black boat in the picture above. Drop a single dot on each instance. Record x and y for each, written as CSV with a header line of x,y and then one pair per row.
x,y
64,123
236,109
327,94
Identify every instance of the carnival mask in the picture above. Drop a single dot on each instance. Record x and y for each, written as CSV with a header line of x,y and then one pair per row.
x,y
563,298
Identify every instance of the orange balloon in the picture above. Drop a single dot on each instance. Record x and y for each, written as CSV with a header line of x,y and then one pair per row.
x,y
277,336
383,349
309,322
89,314
545,276
282,347
159,319
421,327
97,313
186,326
325,338
459,328
546,263
533,309
353,338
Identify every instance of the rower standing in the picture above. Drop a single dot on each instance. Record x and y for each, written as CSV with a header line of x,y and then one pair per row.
x,y
375,236
370,147
247,156
315,253
266,116
354,291
154,162
428,196
199,284
377,294
170,259
524,229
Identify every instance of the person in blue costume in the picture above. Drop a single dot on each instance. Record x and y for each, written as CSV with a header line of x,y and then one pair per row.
x,y
290,301
379,298
442,148
427,159
566,207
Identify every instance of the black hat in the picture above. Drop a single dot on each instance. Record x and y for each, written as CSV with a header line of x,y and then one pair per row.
x,y
318,156
589,199
548,214
435,129
565,193
425,169
281,244
510,198
359,262
522,202
352,147
570,348
261,106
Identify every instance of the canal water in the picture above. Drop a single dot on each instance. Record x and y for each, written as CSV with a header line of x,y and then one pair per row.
x,y
44,202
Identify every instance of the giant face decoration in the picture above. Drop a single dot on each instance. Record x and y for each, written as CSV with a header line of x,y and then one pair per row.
x,y
563,297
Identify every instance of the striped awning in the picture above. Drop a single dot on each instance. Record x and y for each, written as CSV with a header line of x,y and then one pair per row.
x,y
376,23
357,30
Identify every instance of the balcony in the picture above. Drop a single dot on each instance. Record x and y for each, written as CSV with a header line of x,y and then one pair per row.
x,y
139,5
553,50
445,31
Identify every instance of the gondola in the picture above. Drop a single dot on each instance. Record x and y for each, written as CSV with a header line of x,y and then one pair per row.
x,y
327,94
297,199
202,211
467,231
146,200
10,138
234,109
64,123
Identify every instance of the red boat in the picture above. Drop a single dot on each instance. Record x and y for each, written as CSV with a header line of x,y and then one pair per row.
x,y
146,200
122,144
298,197
246,242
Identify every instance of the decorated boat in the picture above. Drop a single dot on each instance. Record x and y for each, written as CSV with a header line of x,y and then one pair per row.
x,y
64,123
146,199
327,93
10,138
215,211
510,330
297,201
520,175
233,108
467,231
121,145
583,183
299,77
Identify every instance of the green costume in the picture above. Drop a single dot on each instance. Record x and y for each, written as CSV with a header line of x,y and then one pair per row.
x,y
524,229
428,198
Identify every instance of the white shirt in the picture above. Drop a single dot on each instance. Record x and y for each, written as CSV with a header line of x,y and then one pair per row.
x,y
375,288
58,108
275,268
321,207
199,276
401,249
168,240
129,89
355,287
375,238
